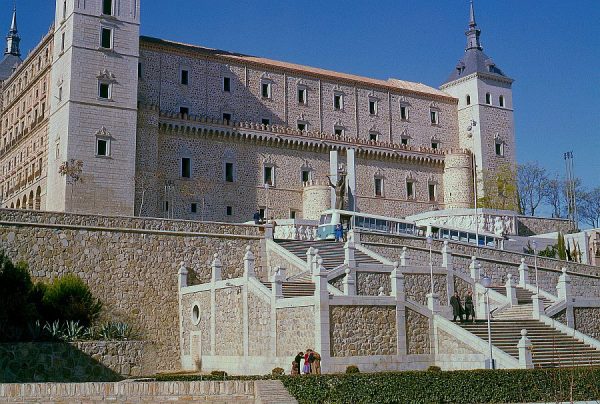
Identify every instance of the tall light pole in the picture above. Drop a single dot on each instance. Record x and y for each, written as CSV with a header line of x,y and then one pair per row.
x,y
537,285
486,281
429,243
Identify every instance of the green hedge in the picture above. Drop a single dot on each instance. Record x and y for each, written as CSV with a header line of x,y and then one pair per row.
x,y
474,386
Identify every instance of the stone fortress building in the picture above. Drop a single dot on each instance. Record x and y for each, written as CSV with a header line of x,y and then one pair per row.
x,y
166,129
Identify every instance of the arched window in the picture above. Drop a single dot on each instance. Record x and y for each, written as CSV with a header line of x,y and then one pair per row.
x,y
30,206
24,206
18,204
38,199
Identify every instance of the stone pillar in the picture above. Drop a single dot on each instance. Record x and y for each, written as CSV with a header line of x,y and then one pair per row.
x,y
322,315
351,178
525,346
523,273
474,269
277,284
564,291
349,283
349,250
397,281
216,269
269,231
447,256
404,259
333,173
538,307
249,264
182,276
433,303
511,291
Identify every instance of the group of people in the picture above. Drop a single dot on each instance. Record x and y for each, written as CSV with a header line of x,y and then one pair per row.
x,y
462,312
311,364
340,233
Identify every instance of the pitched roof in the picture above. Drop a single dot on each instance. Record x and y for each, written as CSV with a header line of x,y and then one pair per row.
x,y
8,64
391,84
474,61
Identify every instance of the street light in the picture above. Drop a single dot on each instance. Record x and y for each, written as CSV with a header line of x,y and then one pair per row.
x,y
486,281
537,285
429,243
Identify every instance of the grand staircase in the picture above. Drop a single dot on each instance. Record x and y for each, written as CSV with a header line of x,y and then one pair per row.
x,y
295,289
331,252
524,309
551,348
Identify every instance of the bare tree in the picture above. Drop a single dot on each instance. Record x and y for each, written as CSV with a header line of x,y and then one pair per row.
x,y
589,207
532,183
72,169
555,196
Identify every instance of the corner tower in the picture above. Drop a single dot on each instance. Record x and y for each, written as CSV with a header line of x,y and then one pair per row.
x,y
12,53
485,108
93,109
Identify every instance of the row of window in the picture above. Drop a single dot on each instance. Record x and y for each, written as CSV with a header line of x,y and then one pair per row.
x,y
302,97
488,100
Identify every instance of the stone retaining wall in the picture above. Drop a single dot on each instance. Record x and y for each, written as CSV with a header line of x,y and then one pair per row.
x,y
363,330
417,333
75,362
529,226
587,321
234,391
133,272
295,330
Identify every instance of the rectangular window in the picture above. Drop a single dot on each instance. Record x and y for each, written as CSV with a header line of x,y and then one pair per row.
x,y
227,116
488,98
432,192
229,211
338,131
60,94
166,206
186,167
305,175
501,100
107,7
194,208
434,117
266,121
373,136
266,90
404,112
373,107
185,77
104,90
499,149
268,175
302,126
338,101
62,42
404,141
378,186
226,84
229,172
184,110
410,190
102,147
435,145
292,214
139,70
106,38
261,211
302,96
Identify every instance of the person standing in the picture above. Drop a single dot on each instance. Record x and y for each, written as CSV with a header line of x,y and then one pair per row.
x,y
457,308
297,360
469,307
339,232
316,365
256,217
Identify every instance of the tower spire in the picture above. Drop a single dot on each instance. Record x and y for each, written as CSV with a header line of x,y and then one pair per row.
x,y
13,39
473,32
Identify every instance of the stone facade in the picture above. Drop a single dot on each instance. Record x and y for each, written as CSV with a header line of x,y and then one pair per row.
x,y
259,325
296,330
228,322
200,326
418,339
587,321
141,264
450,344
529,226
418,286
363,330
73,362
368,283
561,316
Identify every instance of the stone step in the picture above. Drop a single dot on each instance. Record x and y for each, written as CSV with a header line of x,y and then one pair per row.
x,y
272,392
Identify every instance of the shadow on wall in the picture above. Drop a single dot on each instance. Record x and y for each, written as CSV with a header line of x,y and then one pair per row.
x,y
50,362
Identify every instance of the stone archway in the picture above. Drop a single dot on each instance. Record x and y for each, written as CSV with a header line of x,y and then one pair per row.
x,y
24,204
30,201
38,199
12,205
18,204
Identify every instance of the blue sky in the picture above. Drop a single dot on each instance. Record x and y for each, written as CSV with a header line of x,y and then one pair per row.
x,y
551,48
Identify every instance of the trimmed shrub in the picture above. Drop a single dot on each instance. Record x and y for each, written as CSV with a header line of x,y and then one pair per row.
x,y
352,369
277,372
68,298
434,369
16,309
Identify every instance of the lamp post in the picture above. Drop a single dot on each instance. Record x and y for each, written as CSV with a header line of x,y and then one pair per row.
x,y
537,285
486,281
429,243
